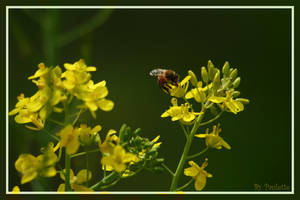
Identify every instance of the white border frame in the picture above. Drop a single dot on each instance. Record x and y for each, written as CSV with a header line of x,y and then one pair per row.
x,y
157,7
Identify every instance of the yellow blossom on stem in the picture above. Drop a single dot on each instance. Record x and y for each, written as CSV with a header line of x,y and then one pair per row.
x,y
76,75
198,93
87,135
69,139
76,181
118,159
94,97
182,112
111,140
180,89
198,173
213,139
230,104
43,165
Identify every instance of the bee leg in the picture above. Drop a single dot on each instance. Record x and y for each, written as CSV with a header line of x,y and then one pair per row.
x,y
165,89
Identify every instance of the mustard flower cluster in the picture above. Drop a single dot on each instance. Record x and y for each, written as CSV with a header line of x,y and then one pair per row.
x,y
123,154
55,87
214,91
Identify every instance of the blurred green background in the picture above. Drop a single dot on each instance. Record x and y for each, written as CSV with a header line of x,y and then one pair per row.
x,y
125,45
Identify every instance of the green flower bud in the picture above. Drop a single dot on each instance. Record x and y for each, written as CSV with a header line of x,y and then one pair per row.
x,y
211,70
236,82
233,74
217,81
226,68
236,94
243,100
204,75
193,79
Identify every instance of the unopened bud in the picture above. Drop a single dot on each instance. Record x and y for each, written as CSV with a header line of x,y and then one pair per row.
x,y
204,74
243,100
225,69
217,81
236,94
233,74
211,70
236,82
193,79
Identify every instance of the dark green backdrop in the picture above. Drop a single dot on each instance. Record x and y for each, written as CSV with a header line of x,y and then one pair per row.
x,y
132,42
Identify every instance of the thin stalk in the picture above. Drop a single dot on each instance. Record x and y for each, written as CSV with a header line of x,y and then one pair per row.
x,y
77,117
56,122
186,134
53,136
186,151
87,168
168,169
67,173
111,184
185,185
106,180
197,154
83,153
213,119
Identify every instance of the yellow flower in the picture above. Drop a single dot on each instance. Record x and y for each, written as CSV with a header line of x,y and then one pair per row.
x,y
110,142
87,135
16,190
231,105
180,112
198,93
28,165
25,115
118,159
43,165
180,89
40,72
76,181
213,139
198,173
38,107
76,75
69,139
94,97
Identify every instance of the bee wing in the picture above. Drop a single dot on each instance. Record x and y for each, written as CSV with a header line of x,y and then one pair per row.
x,y
157,72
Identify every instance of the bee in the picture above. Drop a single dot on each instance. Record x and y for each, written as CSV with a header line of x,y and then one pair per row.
x,y
165,78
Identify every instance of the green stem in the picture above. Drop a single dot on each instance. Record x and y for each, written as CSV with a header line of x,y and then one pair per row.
x,y
186,151
213,119
67,173
56,122
186,134
83,153
53,136
87,169
168,169
197,154
111,184
59,154
77,117
106,180
185,185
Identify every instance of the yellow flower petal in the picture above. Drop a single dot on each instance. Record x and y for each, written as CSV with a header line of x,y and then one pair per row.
x,y
16,190
28,177
105,105
217,99
82,176
61,188
200,181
